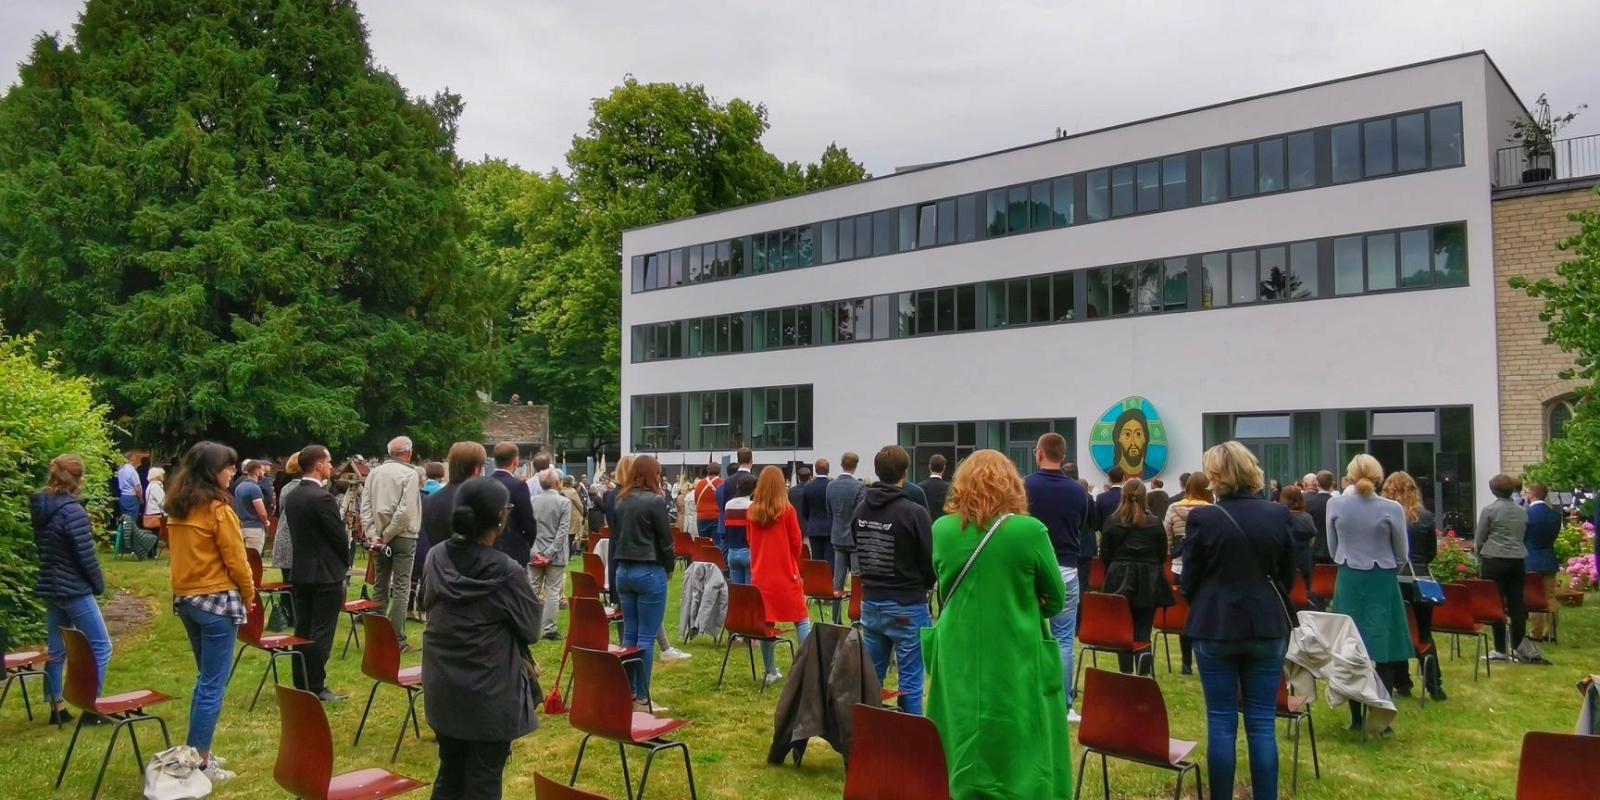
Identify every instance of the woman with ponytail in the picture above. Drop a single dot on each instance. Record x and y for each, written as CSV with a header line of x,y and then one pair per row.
x,y
478,679
1134,547
1367,537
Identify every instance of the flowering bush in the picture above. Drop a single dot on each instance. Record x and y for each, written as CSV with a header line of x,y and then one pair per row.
x,y
1574,541
1580,573
1454,560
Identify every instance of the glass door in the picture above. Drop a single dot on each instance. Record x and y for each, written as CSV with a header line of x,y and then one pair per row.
x,y
1274,457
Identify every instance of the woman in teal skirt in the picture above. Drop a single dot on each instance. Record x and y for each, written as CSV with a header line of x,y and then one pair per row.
x,y
1367,538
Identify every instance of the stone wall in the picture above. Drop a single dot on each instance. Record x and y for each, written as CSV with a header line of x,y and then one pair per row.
x,y
1527,226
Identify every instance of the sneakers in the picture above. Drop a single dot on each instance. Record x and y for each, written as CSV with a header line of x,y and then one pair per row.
x,y
1497,656
644,706
60,716
773,677
214,770
1073,717
329,696
674,654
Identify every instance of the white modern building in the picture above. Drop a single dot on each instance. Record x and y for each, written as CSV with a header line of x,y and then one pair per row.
x,y
1308,271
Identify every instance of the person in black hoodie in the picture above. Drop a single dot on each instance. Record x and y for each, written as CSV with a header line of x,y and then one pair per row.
x,y
69,576
894,545
479,682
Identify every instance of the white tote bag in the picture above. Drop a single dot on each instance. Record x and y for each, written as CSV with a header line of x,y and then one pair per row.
x,y
174,774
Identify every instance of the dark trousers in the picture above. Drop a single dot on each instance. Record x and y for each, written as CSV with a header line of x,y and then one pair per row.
x,y
1508,575
317,607
1431,678
469,770
1390,673
1143,620
821,549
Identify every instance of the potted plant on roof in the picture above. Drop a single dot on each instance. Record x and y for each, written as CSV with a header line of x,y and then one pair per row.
x,y
1536,133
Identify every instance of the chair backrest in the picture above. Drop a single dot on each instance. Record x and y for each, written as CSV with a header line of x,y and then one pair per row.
x,y
682,544
546,789
81,687
1172,618
1455,612
1487,606
1110,701
1097,574
1298,593
895,755
1416,632
1106,621
816,577
583,585
380,659
747,614
595,567
711,555
1283,694
305,745
1324,577
255,565
587,624
602,698
1533,593
1558,765
855,597
254,622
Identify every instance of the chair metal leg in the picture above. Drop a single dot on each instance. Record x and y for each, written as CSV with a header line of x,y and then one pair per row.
x,y
1077,790
1105,776
750,650
1311,731
353,635
411,717
106,759
644,778
1177,794
76,729
365,712
576,764
1294,771
728,651
237,657
627,780
1488,666
270,669
138,756
1166,645
688,771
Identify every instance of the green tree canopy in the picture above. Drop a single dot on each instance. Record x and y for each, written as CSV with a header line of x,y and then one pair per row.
x,y
1572,308
652,152
242,228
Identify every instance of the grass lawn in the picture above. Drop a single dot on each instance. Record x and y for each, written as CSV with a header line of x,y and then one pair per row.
x,y
1464,748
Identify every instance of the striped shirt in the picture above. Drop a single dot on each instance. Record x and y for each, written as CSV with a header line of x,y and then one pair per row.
x,y
736,527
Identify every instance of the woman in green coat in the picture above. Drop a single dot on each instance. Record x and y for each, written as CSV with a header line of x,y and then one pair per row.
x,y
994,672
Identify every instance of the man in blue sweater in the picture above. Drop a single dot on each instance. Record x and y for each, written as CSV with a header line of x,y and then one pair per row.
x,y
1062,505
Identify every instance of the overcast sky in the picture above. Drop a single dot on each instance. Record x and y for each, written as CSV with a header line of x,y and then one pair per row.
x,y
907,82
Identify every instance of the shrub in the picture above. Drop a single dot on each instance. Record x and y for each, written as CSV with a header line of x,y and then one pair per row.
x,y
1576,539
42,415
1454,560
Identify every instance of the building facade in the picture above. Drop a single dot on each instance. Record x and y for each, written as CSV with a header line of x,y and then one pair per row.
x,y
1311,272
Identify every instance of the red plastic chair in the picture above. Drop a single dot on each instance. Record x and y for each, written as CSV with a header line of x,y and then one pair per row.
x,y
1107,627
358,608
1558,765
588,628
855,599
381,663
250,636
1488,607
816,577
1425,651
893,756
709,553
1454,618
274,591
1170,622
595,567
1097,574
683,546
1299,593
1110,701
1297,709
20,666
583,585
1324,577
546,789
81,689
305,757
747,620
1534,599
602,705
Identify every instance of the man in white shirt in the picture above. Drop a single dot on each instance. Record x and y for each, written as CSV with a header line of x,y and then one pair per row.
x,y
540,463
130,499
391,515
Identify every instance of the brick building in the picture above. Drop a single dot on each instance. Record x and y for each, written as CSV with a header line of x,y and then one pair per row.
x,y
1529,220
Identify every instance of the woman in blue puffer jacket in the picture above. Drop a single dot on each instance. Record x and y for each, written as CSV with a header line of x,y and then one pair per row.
x,y
69,574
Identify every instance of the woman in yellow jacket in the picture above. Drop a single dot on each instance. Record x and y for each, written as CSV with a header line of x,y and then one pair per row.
x,y
211,581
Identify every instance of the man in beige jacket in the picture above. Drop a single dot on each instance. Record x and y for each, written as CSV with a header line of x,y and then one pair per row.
x,y
391,514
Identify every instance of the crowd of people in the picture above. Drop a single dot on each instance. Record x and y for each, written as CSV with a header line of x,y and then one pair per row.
x,y
1004,558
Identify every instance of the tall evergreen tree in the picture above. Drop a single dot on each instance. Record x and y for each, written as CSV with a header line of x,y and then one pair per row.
x,y
226,214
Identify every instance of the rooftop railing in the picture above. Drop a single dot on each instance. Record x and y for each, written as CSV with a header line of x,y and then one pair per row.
x,y
1576,157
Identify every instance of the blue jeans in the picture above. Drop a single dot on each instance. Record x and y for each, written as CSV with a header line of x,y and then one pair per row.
x,y
82,613
211,640
844,564
642,590
708,529
739,564
802,629
1226,667
889,624
1064,627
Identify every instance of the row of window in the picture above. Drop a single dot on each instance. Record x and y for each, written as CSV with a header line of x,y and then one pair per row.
x,y
764,418
1411,258
1395,144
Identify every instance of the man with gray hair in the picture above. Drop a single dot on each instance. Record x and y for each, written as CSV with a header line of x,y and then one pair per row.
x,y
391,515
547,566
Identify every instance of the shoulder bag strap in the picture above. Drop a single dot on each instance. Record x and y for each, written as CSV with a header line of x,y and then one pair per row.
x,y
955,584
1283,602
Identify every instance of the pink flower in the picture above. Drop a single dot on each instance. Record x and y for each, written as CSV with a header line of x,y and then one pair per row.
x,y
1462,568
1451,533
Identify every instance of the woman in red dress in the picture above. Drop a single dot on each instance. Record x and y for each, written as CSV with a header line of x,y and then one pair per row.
x,y
775,552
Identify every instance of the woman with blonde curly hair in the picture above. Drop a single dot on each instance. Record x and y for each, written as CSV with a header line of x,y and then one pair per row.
x,y
1423,545
995,690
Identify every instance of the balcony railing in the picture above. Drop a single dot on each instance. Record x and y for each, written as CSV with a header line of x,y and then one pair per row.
x,y
1570,158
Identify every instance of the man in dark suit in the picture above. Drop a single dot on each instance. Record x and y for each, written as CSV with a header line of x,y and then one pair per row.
x,y
802,476
935,487
321,569
843,495
517,540
1317,507
816,523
